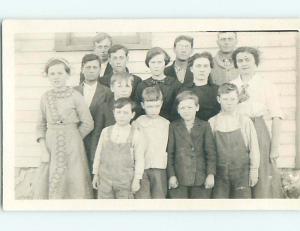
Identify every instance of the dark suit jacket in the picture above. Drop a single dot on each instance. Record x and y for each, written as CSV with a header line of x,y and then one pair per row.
x,y
191,156
170,71
102,94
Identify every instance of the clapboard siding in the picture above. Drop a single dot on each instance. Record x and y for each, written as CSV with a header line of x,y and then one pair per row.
x,y
278,64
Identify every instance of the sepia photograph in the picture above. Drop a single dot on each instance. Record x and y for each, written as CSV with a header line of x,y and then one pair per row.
x,y
192,114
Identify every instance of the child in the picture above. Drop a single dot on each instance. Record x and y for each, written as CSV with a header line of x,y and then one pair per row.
x,y
119,160
156,60
191,152
64,121
156,130
121,86
237,147
201,66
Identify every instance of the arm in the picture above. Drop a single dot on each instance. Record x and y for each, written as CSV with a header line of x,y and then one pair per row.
x,y
275,141
253,146
98,152
210,151
139,149
41,127
86,121
171,148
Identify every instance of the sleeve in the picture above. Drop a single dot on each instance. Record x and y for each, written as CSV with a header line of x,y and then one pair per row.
x,y
272,100
41,127
211,122
86,121
139,149
98,152
171,148
138,92
253,146
210,151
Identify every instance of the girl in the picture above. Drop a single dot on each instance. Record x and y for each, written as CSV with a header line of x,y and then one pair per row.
x,y
201,66
63,122
259,100
156,60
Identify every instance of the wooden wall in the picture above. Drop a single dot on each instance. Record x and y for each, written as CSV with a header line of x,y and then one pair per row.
x,y
32,51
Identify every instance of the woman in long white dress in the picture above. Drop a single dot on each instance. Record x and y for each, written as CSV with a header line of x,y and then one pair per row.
x,y
260,101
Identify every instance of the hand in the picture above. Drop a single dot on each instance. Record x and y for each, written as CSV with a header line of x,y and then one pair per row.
x,y
210,181
253,177
173,182
45,156
95,181
274,154
136,185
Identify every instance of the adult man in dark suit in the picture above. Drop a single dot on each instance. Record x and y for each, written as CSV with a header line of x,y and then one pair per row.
x,y
183,48
94,93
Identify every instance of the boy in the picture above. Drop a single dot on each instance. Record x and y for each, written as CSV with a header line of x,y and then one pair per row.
x,y
156,130
237,147
121,86
119,160
191,152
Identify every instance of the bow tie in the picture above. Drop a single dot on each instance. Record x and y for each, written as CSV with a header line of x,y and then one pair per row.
x,y
154,81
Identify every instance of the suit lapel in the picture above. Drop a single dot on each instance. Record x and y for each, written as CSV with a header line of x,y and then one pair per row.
x,y
96,97
184,133
108,70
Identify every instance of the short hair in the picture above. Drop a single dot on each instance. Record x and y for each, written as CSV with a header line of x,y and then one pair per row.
x,y
121,102
186,95
223,32
226,88
251,50
101,36
154,51
206,55
90,57
186,38
54,61
152,94
120,77
117,47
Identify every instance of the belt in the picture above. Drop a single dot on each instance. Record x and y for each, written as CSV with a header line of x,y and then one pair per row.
x,y
61,125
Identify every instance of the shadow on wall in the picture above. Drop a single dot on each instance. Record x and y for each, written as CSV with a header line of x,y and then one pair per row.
x,y
25,180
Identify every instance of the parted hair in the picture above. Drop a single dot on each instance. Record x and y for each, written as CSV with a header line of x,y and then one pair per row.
x,y
117,47
152,94
205,54
186,38
154,51
88,58
251,50
101,36
226,88
121,77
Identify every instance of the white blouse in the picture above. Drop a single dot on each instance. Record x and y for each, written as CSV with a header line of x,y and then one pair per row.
x,y
263,98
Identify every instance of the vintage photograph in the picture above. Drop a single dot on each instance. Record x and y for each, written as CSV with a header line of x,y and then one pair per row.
x,y
198,115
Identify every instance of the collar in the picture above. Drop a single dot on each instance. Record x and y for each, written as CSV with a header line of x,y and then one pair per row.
x,y
90,87
224,61
151,81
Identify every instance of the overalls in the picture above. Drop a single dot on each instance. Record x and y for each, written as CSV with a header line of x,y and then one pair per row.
x,y
116,169
232,178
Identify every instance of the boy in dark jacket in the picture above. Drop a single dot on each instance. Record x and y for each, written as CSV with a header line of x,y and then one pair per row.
x,y
191,152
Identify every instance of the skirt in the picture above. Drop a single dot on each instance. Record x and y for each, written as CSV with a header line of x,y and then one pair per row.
x,y
269,181
66,175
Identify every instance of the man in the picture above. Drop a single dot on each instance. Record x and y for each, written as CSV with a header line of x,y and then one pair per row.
x,y
102,42
183,48
95,94
118,59
224,71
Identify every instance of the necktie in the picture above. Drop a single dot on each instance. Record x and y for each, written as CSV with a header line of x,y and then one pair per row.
x,y
244,95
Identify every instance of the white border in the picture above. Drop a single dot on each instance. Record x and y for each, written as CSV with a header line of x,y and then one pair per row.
x,y
10,27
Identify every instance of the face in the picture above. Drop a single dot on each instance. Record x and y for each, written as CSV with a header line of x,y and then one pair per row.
x,y
201,70
245,63
118,61
152,108
57,75
91,70
183,50
187,109
123,115
122,89
157,64
228,101
101,49
227,42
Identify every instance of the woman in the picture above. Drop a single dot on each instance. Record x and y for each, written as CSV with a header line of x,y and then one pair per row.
x,y
64,121
259,100
201,66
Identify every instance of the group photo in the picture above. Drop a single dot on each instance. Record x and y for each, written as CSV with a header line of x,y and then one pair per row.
x,y
155,115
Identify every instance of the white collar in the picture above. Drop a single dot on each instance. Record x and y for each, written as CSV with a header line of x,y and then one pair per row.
x,y
90,87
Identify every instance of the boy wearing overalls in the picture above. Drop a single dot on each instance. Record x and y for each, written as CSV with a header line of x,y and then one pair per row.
x,y
237,147
119,160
